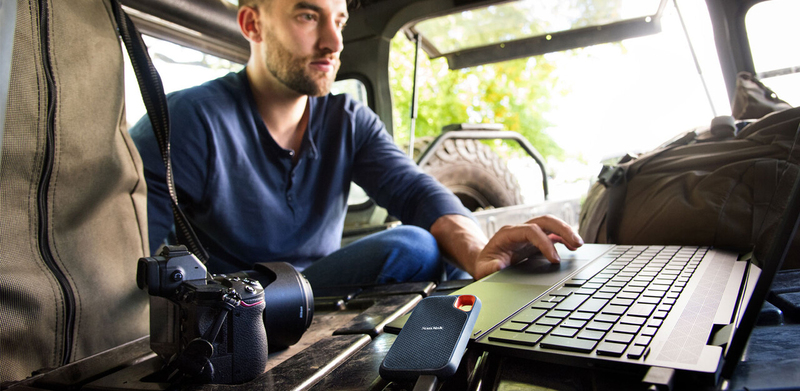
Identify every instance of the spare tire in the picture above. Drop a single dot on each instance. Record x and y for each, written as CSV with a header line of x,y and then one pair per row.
x,y
475,173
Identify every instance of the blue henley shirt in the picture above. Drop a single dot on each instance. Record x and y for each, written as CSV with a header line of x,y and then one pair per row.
x,y
246,200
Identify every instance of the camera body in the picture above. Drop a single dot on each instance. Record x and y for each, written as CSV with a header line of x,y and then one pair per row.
x,y
213,329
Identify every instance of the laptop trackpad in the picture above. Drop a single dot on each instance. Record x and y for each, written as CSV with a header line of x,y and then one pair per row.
x,y
537,270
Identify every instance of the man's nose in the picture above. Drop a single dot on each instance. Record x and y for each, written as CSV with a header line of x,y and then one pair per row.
x,y
331,36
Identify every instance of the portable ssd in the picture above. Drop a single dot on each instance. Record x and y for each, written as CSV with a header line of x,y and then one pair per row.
x,y
433,339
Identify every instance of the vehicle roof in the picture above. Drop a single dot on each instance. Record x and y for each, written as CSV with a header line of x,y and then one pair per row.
x,y
210,26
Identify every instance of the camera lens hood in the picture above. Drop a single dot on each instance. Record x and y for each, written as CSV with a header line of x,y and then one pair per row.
x,y
289,302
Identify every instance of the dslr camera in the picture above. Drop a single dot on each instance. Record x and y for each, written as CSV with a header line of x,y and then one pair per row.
x,y
219,328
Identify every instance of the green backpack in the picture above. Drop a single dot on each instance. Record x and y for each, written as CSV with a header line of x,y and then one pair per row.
x,y
717,188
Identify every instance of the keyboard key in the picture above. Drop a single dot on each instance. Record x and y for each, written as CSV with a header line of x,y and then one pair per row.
x,y
538,329
571,302
606,318
548,321
555,299
653,293
635,289
511,326
591,334
643,340
610,289
515,338
528,315
611,349
603,295
639,283
636,352
544,305
654,322
660,314
626,328
574,283
563,291
557,314
599,326
643,310
616,284
634,320
592,305
581,315
622,302
649,300
628,295
562,331
614,309
568,344
590,285
572,323
619,337
656,287
649,331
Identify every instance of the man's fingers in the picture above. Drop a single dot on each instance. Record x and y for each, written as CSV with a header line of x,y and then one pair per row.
x,y
554,225
519,235
512,243
558,239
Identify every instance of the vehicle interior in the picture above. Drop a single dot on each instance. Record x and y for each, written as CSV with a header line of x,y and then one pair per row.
x,y
541,93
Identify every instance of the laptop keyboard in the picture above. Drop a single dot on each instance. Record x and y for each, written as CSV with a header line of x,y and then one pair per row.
x,y
613,307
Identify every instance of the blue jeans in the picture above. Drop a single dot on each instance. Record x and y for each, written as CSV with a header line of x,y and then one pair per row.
x,y
401,254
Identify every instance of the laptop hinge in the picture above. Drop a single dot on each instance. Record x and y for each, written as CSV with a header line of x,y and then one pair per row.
x,y
659,379
721,335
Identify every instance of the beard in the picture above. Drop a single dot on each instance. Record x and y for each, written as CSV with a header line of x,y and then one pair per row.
x,y
292,70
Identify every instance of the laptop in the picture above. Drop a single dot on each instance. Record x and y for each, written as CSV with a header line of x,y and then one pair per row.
x,y
666,312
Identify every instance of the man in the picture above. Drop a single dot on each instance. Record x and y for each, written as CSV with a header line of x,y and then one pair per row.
x,y
263,160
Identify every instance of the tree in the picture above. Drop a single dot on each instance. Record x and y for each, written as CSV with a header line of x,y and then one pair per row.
x,y
513,93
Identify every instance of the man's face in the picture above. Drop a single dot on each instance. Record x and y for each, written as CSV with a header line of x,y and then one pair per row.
x,y
303,42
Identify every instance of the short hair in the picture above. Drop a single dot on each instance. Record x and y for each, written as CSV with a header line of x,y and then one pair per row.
x,y
351,4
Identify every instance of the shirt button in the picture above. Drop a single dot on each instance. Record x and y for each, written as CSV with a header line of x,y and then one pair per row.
x,y
289,198
291,153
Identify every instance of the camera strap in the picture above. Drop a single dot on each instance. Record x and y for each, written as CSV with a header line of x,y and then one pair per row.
x,y
155,102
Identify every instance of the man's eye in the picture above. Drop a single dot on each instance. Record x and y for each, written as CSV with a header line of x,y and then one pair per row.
x,y
308,17
341,25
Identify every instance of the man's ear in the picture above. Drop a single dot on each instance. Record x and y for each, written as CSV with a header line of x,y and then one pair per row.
x,y
248,23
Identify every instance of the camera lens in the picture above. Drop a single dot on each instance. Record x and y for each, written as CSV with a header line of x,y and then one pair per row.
x,y
289,302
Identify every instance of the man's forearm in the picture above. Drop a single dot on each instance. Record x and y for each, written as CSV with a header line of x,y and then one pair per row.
x,y
461,239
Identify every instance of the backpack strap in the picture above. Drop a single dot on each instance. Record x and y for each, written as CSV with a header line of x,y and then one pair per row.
x,y
615,179
156,103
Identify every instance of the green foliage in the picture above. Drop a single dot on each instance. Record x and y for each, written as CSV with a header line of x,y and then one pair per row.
x,y
513,93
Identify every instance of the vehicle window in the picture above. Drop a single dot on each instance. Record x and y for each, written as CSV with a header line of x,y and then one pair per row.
x,y
179,67
577,107
358,91
354,87
770,28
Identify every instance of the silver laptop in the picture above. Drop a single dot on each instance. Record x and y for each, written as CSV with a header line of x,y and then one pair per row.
x,y
668,312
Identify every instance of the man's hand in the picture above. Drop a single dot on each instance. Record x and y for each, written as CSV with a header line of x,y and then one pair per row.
x,y
466,244
512,244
